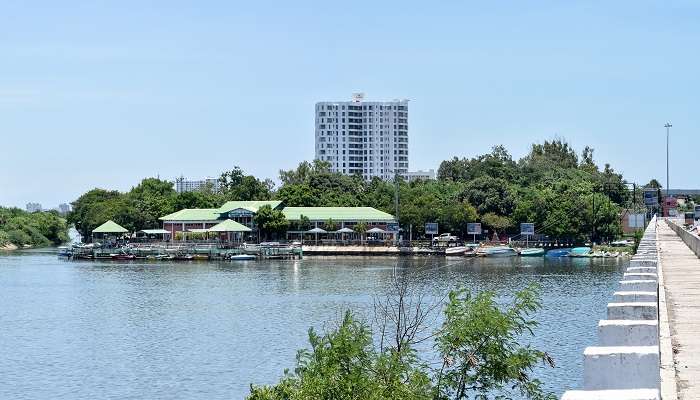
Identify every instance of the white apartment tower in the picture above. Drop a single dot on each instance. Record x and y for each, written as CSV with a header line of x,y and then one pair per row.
x,y
369,138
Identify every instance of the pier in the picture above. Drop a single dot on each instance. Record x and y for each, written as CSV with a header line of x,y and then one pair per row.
x,y
647,347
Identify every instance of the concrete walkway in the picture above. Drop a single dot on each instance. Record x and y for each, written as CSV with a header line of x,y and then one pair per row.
x,y
681,269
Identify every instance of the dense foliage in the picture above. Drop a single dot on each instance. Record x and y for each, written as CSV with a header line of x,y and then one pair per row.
x,y
565,195
477,343
153,198
37,229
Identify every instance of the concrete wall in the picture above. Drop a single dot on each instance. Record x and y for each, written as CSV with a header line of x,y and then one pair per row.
x,y
625,363
691,240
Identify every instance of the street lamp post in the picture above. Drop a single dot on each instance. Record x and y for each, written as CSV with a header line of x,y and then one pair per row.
x,y
668,128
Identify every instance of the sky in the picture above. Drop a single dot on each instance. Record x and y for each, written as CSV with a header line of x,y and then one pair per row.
x,y
103,94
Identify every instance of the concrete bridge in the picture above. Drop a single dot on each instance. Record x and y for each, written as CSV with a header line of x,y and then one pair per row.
x,y
649,346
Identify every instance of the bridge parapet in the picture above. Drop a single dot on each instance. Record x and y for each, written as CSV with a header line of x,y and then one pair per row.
x,y
625,364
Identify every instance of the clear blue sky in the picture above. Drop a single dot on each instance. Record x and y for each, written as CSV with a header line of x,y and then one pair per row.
x,y
102,94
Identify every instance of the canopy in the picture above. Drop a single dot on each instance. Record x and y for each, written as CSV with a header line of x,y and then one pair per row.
x,y
344,230
376,230
154,231
110,227
229,225
317,230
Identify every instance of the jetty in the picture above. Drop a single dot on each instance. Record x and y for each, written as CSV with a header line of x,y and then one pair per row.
x,y
186,251
647,347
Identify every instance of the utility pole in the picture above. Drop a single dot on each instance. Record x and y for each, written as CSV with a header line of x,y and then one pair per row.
x,y
668,128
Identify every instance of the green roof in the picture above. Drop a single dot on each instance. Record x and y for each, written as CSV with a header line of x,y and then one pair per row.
x,y
193,214
229,226
110,227
248,205
337,214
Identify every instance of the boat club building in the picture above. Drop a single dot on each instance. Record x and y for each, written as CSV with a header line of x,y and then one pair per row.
x,y
189,219
243,213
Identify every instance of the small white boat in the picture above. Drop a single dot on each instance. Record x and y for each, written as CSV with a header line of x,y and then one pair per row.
x,y
242,257
456,251
500,251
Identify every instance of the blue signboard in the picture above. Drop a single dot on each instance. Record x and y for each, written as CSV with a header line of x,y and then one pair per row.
x,y
651,197
392,227
431,228
527,228
240,212
474,228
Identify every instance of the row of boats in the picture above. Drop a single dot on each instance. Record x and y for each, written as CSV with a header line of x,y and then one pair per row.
x,y
507,251
121,255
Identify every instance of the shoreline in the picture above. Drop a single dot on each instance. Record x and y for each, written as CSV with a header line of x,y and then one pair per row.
x,y
9,247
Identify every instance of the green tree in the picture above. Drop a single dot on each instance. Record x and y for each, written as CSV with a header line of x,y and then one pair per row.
x,y
478,343
480,350
270,222
92,209
236,185
331,225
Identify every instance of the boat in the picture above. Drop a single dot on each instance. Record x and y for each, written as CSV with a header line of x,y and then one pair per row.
x,y
532,252
622,243
499,251
456,251
64,251
580,252
122,256
558,253
242,257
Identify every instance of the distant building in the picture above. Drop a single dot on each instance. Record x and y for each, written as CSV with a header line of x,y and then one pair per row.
x,y
63,208
33,207
367,138
422,175
185,185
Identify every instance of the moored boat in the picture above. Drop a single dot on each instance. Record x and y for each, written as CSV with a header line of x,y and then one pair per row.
x,y
64,251
122,256
242,257
499,251
580,252
456,251
558,253
532,252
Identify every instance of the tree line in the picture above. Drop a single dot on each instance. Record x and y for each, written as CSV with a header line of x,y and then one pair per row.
x,y
38,229
565,194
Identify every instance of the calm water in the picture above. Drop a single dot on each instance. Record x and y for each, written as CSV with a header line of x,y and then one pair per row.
x,y
189,330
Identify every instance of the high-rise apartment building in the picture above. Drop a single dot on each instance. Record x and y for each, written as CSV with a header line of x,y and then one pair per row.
x,y
33,207
369,138
185,185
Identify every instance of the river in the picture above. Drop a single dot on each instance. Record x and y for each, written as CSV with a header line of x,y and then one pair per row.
x,y
199,330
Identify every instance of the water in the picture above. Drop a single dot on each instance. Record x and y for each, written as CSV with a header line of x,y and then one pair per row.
x,y
197,330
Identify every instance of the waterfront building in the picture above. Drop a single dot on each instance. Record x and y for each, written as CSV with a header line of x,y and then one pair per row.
x,y
243,212
342,217
205,218
419,175
33,207
368,138
185,185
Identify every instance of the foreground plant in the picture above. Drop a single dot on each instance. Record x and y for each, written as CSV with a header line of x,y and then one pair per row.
x,y
478,344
